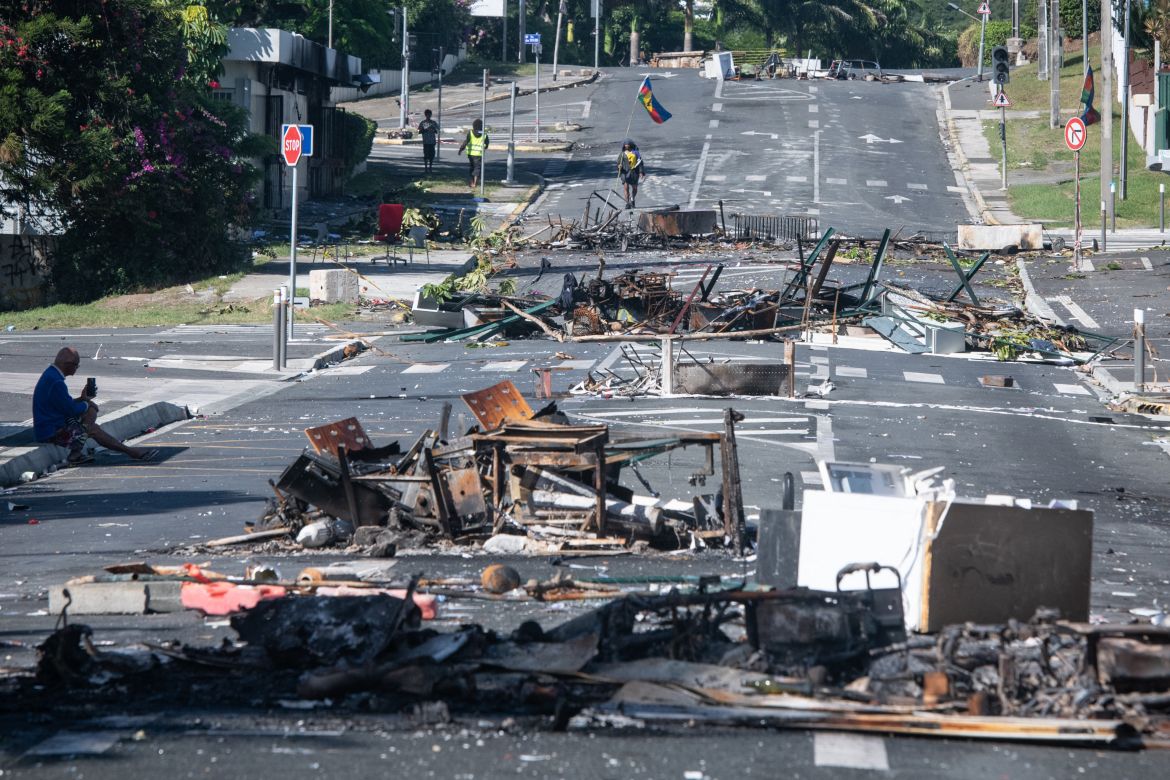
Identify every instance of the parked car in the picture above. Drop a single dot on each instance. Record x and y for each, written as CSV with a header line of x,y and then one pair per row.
x,y
854,69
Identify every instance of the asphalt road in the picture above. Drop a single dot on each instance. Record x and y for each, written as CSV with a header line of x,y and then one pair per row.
x,y
1050,437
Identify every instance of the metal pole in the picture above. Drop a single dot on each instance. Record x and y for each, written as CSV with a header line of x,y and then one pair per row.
x,y
1106,101
439,140
1123,163
330,24
483,119
1077,222
537,48
520,36
404,86
504,36
292,255
597,35
1139,349
285,303
557,43
982,32
277,328
511,138
1161,208
1054,65
1085,37
1003,141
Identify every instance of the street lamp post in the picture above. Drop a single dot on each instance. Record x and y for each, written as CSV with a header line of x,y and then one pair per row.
x,y
982,34
404,92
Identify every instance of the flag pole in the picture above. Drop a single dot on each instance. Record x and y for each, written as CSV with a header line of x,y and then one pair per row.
x,y
630,121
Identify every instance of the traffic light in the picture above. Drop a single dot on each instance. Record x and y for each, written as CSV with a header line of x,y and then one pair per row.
x,y
1000,70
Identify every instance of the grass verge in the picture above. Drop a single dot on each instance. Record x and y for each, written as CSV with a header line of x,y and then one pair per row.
x,y
1033,146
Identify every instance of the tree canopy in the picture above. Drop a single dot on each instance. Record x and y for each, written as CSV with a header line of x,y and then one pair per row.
x,y
110,137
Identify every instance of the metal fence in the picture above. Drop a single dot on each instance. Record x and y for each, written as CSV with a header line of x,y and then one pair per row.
x,y
749,226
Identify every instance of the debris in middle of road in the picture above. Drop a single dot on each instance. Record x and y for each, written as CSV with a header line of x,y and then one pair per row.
x,y
523,474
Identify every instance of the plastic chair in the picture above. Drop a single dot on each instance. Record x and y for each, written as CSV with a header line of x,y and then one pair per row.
x,y
389,225
417,239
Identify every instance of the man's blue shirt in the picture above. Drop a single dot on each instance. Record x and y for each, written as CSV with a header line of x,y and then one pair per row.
x,y
52,404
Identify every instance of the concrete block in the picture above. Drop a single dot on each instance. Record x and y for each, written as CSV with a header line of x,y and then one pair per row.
x,y
995,237
132,597
333,286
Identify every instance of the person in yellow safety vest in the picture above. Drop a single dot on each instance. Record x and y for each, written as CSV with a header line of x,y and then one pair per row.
x,y
476,143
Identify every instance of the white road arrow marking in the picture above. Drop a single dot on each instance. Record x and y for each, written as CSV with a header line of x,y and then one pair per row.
x,y
765,193
773,136
870,138
898,199
667,75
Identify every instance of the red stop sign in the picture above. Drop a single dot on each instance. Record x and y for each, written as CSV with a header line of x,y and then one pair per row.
x,y
290,145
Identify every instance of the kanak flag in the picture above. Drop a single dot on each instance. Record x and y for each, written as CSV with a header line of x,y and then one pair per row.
x,y
652,106
1090,115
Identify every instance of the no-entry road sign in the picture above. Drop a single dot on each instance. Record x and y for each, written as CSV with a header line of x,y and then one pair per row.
x,y
296,141
1075,134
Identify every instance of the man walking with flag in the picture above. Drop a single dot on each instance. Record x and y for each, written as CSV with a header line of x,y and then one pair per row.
x,y
631,169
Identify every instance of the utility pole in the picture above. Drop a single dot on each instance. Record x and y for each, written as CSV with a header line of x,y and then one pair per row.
x,y
483,122
404,92
330,24
520,37
536,49
557,44
982,34
1085,38
1123,163
596,34
439,140
1054,49
1107,107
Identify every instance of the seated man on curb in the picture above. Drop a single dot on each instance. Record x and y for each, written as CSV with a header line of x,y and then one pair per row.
x,y
69,422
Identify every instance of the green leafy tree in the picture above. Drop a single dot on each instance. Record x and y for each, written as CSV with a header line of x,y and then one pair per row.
x,y
109,132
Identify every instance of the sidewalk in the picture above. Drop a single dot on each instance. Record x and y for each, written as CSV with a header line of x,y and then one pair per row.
x,y
456,98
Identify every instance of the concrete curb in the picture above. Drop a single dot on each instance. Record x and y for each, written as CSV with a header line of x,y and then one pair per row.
x,y
548,148
125,423
580,82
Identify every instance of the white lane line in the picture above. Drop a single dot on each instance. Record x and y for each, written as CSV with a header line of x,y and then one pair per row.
x,y
756,177
916,186
717,107
860,373
814,124
875,183
1076,311
719,88
836,181
798,179
702,167
1146,264
425,368
813,108
713,123
813,90
953,188
588,107
576,365
914,376
642,412
817,167
1071,389
852,751
811,479
813,212
504,365
716,177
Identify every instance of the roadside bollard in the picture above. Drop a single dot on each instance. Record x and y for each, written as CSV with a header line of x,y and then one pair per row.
x,y
1139,349
1104,215
277,321
790,361
1113,203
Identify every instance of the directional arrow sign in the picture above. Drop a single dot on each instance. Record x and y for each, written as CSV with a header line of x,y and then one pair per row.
x,y
898,199
773,136
1074,133
765,193
870,138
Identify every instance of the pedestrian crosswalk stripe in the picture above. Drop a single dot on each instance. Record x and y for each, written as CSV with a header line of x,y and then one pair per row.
x,y
577,365
425,368
836,181
1071,389
914,376
504,365
875,183
860,373
953,188
916,186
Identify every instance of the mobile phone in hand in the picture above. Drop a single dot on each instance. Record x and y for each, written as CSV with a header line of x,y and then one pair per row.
x,y
91,388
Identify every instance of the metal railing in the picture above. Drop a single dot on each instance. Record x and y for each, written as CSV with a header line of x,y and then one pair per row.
x,y
749,226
